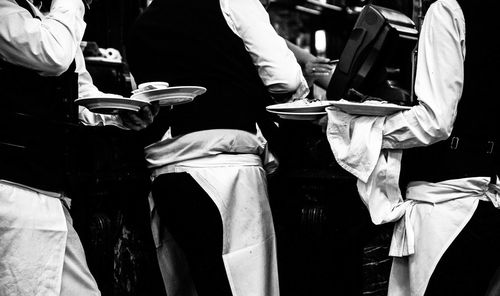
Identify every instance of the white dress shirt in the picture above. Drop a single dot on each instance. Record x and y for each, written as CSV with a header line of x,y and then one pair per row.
x,y
276,64
36,43
48,44
438,84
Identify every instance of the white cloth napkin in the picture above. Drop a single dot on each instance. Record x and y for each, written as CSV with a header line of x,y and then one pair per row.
x,y
356,143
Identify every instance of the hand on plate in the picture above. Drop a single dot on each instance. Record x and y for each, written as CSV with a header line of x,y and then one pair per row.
x,y
141,119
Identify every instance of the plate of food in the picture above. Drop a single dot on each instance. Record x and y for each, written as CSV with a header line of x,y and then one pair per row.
x,y
300,106
110,104
170,96
369,108
299,115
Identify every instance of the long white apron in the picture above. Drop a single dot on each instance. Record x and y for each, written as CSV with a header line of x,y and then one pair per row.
x,y
237,185
427,221
437,214
33,234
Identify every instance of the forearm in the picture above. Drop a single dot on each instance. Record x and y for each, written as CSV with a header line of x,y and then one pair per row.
x,y
302,55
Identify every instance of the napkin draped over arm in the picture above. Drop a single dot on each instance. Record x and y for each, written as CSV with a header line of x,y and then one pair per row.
x,y
356,143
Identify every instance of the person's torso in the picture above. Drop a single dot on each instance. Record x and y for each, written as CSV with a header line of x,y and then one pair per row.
x,y
189,43
38,119
472,148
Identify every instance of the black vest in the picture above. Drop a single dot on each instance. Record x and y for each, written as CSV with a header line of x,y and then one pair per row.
x,y
43,145
472,149
188,42
38,120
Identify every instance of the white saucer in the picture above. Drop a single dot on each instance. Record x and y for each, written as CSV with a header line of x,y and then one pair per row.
x,y
111,104
368,108
170,96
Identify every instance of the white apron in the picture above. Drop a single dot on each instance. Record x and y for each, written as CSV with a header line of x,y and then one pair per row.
x,y
437,214
430,218
237,185
33,235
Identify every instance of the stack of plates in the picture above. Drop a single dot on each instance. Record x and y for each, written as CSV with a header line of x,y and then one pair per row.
x,y
110,104
300,110
146,94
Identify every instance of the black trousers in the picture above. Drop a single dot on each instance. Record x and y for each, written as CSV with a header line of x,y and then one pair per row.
x,y
194,221
469,264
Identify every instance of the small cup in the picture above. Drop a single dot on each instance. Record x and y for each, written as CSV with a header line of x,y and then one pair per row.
x,y
150,86
153,85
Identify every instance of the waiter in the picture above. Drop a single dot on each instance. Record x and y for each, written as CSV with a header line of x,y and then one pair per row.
x,y
41,73
210,186
444,152
456,250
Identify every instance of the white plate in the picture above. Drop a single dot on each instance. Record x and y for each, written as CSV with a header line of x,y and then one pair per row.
x,y
302,106
299,115
170,96
110,105
368,108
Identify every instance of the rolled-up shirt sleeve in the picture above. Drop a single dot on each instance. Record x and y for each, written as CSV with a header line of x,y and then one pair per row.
x,y
47,44
276,64
438,85
86,88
